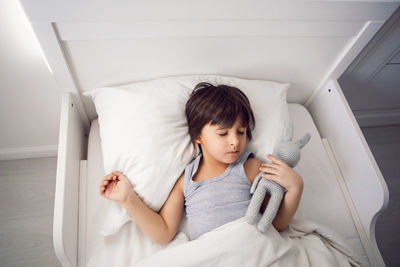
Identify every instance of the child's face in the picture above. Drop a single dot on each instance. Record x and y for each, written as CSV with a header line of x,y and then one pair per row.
x,y
223,144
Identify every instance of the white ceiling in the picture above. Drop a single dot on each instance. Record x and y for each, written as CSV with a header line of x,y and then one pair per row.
x,y
29,99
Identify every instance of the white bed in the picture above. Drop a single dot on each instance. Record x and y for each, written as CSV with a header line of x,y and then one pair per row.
x,y
322,183
306,43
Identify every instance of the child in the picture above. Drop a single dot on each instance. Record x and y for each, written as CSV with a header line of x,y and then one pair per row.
x,y
215,186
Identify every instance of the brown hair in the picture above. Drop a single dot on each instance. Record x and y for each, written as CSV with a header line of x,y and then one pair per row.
x,y
220,104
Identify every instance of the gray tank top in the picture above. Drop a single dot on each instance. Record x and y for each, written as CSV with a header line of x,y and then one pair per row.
x,y
218,200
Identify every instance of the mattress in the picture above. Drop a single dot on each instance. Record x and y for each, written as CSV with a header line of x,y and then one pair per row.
x,y
322,201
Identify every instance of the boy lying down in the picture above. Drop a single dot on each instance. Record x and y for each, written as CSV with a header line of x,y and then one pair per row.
x,y
215,188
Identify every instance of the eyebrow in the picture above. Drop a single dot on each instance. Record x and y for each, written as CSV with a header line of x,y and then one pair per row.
x,y
224,127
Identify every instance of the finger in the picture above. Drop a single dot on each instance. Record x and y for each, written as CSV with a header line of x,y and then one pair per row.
x,y
269,170
103,182
107,177
270,177
122,177
276,160
102,190
273,166
270,165
117,175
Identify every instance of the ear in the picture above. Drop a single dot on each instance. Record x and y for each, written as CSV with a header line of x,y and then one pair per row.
x,y
288,133
303,141
198,140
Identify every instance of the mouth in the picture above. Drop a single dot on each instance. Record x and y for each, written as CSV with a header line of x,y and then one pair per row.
x,y
233,152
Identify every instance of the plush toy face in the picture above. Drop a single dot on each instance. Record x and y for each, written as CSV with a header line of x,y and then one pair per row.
x,y
289,152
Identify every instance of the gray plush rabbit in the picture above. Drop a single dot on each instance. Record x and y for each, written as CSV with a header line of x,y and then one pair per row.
x,y
289,152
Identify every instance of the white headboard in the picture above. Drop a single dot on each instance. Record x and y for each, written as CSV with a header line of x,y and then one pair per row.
x,y
91,44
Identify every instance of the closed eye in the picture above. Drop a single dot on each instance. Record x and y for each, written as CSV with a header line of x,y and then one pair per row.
x,y
224,134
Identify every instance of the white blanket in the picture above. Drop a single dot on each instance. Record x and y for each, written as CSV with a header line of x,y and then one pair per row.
x,y
304,243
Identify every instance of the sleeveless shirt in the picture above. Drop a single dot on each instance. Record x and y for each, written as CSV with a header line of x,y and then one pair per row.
x,y
218,200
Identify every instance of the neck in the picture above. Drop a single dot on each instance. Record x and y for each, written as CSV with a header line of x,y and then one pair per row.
x,y
212,164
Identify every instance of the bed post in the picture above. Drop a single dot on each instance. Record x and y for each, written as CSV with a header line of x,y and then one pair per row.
x,y
72,146
361,175
71,149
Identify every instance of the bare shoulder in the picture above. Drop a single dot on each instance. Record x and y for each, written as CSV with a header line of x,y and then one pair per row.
x,y
177,190
251,167
179,182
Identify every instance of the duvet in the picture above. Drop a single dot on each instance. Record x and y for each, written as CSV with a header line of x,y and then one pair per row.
x,y
303,243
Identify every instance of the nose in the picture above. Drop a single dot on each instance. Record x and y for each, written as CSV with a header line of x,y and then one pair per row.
x,y
234,140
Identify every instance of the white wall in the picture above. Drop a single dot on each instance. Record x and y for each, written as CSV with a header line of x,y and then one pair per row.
x,y
29,99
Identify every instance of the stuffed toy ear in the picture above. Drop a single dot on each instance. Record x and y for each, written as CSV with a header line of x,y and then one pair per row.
x,y
288,135
303,141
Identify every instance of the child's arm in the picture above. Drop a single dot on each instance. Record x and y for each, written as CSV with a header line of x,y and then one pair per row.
x,y
284,175
162,226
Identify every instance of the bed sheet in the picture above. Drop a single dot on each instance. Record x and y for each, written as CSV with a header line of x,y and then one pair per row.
x,y
322,200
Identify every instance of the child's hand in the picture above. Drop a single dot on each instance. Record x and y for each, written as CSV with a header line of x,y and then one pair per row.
x,y
281,173
115,186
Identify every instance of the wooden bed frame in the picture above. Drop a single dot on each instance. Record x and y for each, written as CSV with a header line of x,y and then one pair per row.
x,y
306,43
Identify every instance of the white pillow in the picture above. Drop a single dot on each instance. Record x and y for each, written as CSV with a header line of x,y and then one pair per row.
x,y
144,132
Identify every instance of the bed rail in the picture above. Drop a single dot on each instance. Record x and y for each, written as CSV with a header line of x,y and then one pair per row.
x,y
72,148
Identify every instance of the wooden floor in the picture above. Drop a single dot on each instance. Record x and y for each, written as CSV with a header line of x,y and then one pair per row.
x,y
27,200
26,212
